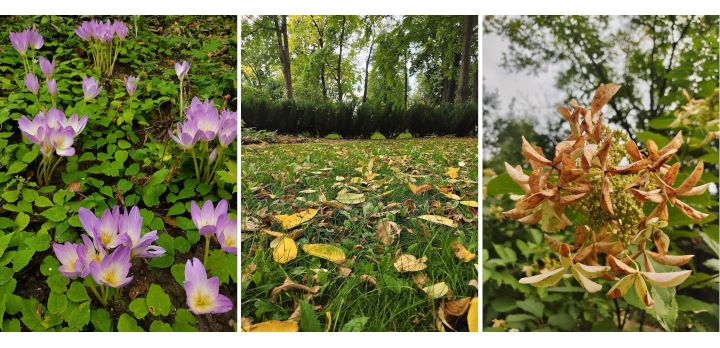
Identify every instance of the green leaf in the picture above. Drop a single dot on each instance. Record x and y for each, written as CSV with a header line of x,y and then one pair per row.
x,y
100,319
43,202
166,260
503,304
58,283
6,274
503,184
22,258
77,292
40,241
176,209
55,214
562,320
532,306
659,139
308,320
4,241
126,323
159,326
57,302
184,321
21,220
16,167
178,272
11,196
158,302
355,325
139,307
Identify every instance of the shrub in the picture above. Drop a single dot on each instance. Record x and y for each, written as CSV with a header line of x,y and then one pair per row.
x,y
351,120
377,136
404,135
333,136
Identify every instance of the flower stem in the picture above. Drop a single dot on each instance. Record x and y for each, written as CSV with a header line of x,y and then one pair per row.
x,y
180,101
197,172
52,170
207,250
105,293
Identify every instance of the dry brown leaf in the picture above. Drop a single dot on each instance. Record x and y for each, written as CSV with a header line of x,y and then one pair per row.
x,y
387,231
289,285
457,307
439,220
273,326
408,263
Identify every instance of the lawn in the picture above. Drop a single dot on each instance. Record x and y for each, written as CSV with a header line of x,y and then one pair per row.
x,y
361,192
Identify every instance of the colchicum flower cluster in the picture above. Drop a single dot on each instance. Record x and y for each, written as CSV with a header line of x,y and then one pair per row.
x,y
55,134
203,124
107,249
212,221
105,39
604,175
27,39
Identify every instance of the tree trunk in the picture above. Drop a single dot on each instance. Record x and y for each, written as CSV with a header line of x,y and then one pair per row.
x,y
464,91
406,78
282,40
475,87
321,43
339,62
367,65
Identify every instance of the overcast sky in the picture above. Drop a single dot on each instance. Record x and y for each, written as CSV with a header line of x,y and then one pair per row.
x,y
536,92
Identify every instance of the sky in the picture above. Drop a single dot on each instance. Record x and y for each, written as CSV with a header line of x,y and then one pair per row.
x,y
531,92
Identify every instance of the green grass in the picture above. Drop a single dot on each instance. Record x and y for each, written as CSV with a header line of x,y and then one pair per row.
x,y
273,178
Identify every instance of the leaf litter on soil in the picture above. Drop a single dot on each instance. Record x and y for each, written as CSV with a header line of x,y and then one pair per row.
x,y
370,230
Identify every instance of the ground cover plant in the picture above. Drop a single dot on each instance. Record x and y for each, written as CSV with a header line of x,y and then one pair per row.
x,y
605,217
104,126
360,235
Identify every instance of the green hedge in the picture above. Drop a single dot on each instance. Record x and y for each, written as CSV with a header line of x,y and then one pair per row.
x,y
351,120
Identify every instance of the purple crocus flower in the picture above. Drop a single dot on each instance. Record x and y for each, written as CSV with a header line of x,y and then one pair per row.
x,y
32,83
52,87
187,134
88,252
213,155
77,124
35,40
33,130
46,147
104,230
227,234
206,116
131,83
19,42
90,87
205,219
130,226
113,269
67,254
47,67
181,70
62,140
203,294
228,130
120,29
85,30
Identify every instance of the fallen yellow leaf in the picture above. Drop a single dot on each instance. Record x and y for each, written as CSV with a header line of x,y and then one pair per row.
x,y
436,290
408,263
472,316
418,190
438,220
350,198
452,172
273,326
325,251
386,232
469,203
291,221
461,252
284,250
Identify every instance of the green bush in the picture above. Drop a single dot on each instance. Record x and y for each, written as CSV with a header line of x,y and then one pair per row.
x,y
404,135
333,136
377,136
